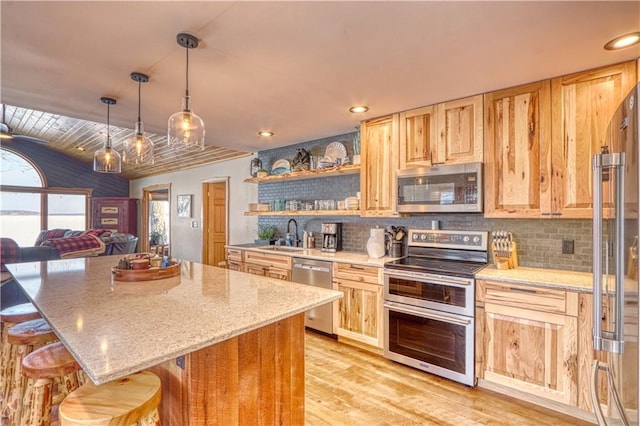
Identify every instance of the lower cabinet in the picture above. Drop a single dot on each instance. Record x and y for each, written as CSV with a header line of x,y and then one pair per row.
x,y
358,314
234,259
267,265
528,339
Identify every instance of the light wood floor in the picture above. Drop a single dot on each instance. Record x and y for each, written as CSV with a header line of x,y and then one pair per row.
x,y
350,386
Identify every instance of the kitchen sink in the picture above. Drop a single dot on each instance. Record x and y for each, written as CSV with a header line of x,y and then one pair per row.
x,y
280,248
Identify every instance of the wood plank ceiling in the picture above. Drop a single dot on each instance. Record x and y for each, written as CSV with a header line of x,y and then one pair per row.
x,y
81,138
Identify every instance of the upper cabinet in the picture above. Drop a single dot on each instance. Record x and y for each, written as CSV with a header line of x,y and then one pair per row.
x,y
378,166
517,124
582,105
539,140
450,132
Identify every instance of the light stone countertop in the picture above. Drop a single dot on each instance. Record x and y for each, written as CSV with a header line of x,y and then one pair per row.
x,y
116,328
340,256
539,277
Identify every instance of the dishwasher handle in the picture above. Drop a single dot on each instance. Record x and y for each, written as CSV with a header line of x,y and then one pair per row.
x,y
311,267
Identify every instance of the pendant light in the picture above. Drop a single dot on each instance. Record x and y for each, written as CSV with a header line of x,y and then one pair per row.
x,y
138,149
107,159
186,129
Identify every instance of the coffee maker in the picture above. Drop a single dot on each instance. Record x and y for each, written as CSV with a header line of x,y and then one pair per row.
x,y
331,237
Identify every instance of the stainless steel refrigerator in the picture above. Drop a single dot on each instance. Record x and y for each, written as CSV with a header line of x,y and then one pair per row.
x,y
614,370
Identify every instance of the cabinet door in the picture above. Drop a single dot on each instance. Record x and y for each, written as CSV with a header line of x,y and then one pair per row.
x,y
360,312
281,274
460,127
251,268
418,137
532,351
378,168
235,266
583,104
517,127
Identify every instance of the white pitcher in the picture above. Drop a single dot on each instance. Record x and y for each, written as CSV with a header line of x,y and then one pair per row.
x,y
375,243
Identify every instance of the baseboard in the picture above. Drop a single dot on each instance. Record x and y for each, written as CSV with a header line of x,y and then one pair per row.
x,y
546,403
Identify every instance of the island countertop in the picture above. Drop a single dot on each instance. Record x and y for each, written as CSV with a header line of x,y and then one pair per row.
x,y
117,328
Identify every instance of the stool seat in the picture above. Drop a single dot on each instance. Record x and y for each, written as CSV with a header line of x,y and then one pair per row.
x,y
34,332
19,313
45,367
53,360
124,401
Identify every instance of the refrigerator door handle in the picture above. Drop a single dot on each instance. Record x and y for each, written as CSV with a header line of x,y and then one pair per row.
x,y
608,341
595,402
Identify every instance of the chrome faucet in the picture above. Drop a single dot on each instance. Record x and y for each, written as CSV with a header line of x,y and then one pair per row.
x,y
292,240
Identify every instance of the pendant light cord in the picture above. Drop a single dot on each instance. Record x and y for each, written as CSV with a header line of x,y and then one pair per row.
x,y
186,92
139,96
108,131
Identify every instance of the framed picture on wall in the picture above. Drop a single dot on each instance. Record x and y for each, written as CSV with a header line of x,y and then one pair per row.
x,y
184,205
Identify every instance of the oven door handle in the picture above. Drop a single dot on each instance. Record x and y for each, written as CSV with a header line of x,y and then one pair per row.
x,y
432,278
427,314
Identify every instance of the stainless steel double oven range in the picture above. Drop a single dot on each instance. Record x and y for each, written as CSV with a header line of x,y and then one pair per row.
x,y
429,302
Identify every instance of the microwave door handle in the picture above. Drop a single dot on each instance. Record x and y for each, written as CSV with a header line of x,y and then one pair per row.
x,y
597,251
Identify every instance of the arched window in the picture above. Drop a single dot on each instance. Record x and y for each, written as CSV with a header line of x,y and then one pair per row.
x,y
27,205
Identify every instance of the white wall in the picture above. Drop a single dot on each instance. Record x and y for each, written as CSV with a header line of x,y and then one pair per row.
x,y
186,242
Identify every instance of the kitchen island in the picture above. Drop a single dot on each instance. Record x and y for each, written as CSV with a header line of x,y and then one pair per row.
x,y
228,346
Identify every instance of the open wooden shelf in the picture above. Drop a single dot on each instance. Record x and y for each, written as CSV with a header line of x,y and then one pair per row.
x,y
311,174
306,213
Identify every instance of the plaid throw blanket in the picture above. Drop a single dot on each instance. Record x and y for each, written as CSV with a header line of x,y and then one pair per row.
x,y
80,246
9,252
49,234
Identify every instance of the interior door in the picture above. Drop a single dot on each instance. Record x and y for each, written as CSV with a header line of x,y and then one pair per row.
x,y
214,225
156,205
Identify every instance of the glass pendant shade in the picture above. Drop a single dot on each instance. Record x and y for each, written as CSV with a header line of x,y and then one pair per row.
x,y
186,130
138,149
107,159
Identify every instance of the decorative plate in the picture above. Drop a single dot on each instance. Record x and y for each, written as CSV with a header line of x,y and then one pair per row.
x,y
335,150
281,164
280,171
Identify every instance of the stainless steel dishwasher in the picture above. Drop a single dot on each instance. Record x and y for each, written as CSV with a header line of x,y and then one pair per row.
x,y
318,274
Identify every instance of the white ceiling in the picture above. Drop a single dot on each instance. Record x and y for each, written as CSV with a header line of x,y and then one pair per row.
x,y
291,67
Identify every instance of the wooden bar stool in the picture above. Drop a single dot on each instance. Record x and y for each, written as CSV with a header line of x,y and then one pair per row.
x,y
22,339
42,367
8,318
132,400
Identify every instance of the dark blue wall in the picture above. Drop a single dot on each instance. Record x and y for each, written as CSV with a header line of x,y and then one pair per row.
x,y
66,172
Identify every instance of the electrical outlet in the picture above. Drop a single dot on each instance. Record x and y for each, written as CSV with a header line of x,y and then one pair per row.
x,y
567,246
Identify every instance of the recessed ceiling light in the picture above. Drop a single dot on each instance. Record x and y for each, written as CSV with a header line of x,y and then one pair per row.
x,y
359,108
623,41
81,148
265,133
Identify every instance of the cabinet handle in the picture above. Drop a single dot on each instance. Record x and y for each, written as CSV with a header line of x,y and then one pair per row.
x,y
359,268
523,290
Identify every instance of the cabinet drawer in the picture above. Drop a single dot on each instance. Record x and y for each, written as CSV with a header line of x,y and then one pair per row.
x,y
358,273
268,259
234,255
526,297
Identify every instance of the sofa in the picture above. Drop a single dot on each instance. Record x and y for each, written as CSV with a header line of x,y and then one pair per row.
x,y
57,244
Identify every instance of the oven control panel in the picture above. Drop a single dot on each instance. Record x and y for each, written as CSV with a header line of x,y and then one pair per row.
x,y
469,240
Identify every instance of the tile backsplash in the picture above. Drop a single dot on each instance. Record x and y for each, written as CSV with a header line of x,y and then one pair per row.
x,y
539,241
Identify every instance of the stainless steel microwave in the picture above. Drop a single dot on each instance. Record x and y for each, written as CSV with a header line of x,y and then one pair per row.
x,y
450,188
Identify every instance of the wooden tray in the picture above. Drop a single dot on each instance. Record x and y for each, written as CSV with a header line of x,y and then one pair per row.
x,y
131,275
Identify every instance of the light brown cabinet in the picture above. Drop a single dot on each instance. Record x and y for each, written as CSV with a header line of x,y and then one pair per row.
x,y
234,259
450,132
379,162
539,139
582,105
268,265
517,161
358,315
529,340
